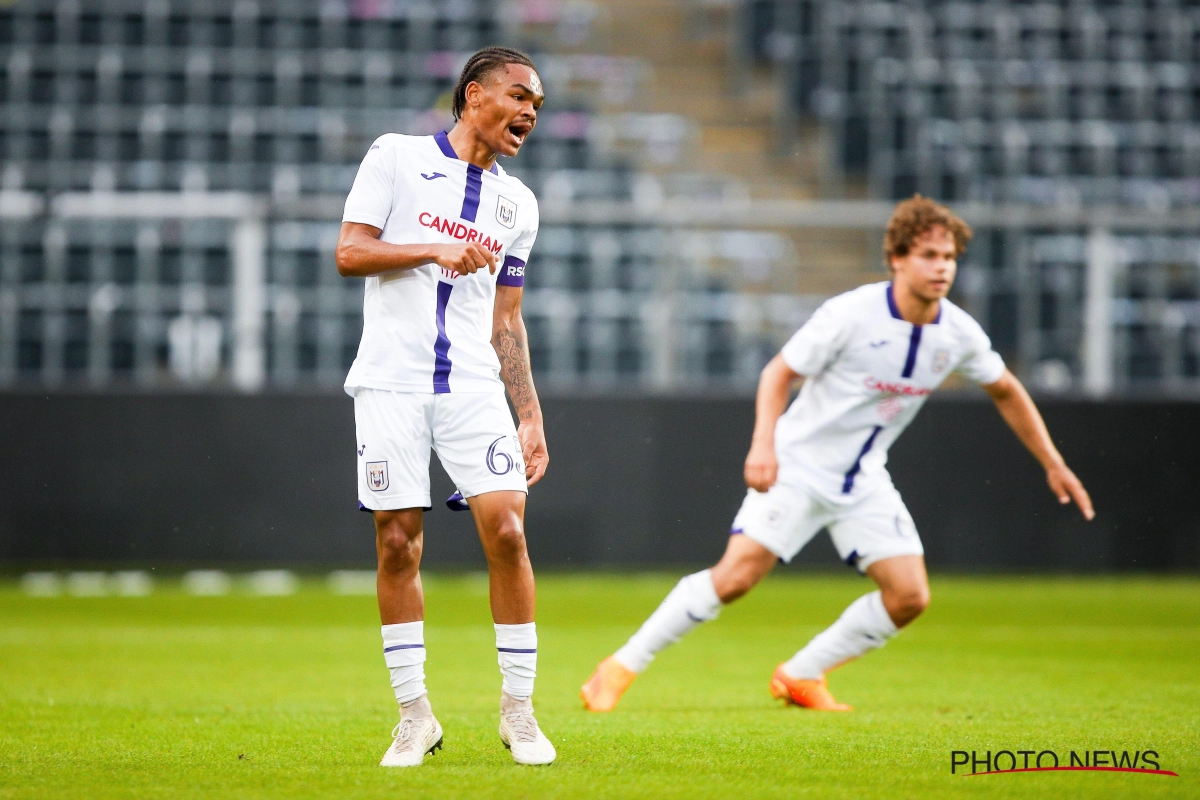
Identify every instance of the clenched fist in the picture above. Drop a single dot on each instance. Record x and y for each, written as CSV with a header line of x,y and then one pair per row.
x,y
466,259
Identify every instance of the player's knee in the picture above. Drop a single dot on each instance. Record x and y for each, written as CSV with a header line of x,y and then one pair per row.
x,y
735,583
399,550
909,603
507,540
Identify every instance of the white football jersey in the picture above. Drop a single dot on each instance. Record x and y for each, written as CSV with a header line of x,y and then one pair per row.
x,y
429,329
867,374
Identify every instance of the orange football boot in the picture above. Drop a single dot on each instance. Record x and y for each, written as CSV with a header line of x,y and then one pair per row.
x,y
804,692
603,690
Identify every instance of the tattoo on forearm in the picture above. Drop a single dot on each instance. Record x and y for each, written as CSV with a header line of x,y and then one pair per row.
x,y
515,371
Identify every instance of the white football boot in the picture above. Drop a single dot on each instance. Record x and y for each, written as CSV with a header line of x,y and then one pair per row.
x,y
418,734
520,732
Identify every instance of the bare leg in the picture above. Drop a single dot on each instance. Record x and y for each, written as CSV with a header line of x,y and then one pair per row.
x,y
398,543
904,586
398,540
745,563
500,519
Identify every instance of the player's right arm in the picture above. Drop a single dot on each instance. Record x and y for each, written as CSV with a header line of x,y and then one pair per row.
x,y
774,388
360,254
809,352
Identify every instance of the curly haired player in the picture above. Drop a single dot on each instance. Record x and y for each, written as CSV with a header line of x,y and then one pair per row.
x,y
868,360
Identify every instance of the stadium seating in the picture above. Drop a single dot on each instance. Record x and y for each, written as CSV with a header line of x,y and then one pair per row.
x,y
1064,104
1083,101
281,98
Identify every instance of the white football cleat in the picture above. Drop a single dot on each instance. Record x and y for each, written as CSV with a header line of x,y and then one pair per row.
x,y
412,740
520,732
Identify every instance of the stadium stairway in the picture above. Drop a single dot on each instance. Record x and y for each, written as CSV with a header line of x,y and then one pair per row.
x,y
741,147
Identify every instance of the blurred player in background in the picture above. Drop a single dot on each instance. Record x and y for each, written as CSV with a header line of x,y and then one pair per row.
x,y
869,358
442,233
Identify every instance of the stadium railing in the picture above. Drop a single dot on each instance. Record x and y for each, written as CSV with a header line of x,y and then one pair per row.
x,y
220,289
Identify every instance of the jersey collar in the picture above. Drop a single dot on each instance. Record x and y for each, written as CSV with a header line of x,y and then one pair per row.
x,y
443,142
892,307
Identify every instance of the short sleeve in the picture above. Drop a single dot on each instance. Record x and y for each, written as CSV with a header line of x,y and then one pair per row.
x,y
981,363
814,347
512,271
370,199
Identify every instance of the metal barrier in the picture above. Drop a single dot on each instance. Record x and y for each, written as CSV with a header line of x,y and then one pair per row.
x,y
101,290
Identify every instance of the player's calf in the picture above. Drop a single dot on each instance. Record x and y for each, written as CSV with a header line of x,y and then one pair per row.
x,y
744,564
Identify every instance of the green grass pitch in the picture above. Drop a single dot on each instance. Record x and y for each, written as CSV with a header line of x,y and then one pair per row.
x,y
287,697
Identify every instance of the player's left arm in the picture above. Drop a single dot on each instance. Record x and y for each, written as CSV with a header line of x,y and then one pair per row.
x,y
1017,409
512,348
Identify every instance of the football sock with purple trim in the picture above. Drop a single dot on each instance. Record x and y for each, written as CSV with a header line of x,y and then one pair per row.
x,y
691,602
862,627
404,654
516,650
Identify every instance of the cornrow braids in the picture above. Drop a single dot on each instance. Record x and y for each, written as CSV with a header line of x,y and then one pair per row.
x,y
482,64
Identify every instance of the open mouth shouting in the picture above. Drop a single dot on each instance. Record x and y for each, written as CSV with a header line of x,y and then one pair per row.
x,y
517,132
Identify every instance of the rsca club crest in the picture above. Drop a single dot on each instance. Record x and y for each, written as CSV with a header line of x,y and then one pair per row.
x,y
377,475
506,211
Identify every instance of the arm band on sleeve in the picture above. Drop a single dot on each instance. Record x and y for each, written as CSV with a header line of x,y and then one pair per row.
x,y
512,272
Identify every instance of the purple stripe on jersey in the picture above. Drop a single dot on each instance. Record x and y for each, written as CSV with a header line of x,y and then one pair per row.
x,y
895,309
848,483
914,342
403,647
443,142
471,197
892,307
512,272
441,347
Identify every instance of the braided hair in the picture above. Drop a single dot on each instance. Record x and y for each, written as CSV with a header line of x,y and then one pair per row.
x,y
482,64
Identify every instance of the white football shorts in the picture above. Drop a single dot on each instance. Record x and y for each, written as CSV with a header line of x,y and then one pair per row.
x,y
472,432
785,518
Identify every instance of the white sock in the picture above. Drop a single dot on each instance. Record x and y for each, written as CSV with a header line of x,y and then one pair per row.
x,y
692,601
516,649
863,626
404,654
